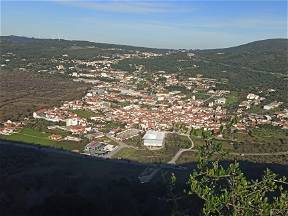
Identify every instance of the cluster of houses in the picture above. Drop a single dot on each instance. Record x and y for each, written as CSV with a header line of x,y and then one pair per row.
x,y
99,148
10,127
252,100
153,107
73,122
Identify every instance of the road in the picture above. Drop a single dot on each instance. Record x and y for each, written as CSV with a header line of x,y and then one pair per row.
x,y
178,154
120,146
207,99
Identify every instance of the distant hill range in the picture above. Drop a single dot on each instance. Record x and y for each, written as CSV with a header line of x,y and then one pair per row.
x,y
261,64
53,47
267,55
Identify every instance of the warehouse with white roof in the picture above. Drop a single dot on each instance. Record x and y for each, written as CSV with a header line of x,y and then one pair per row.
x,y
154,139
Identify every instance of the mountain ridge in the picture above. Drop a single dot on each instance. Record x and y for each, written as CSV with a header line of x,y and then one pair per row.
x,y
16,38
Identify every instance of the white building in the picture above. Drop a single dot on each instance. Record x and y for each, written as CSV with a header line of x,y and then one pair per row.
x,y
72,122
154,139
272,105
252,97
220,101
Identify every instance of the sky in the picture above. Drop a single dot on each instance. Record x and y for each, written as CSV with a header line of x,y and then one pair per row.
x,y
161,24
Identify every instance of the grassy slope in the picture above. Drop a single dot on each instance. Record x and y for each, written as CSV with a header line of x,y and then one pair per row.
x,y
34,136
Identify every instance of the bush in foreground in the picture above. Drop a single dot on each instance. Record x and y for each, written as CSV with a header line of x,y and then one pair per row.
x,y
227,191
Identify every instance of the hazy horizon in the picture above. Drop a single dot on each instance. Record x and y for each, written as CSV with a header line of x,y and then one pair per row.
x,y
158,24
55,38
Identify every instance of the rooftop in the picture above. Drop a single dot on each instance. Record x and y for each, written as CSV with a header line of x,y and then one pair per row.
x,y
154,135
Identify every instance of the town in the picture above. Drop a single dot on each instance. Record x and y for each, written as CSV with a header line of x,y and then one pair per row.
x,y
121,105
143,108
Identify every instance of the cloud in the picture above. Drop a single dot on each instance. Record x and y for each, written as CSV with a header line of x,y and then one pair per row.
x,y
128,6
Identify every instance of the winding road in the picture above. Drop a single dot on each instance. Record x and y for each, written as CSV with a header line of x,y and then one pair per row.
x,y
178,154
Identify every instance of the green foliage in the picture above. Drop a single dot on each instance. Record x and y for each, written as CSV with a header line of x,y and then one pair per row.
x,y
227,191
273,51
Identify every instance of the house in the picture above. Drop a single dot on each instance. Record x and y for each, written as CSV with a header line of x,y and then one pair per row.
x,y
72,122
71,138
94,135
55,137
154,139
124,135
94,148
100,148
252,96
77,129
272,105
6,131
220,101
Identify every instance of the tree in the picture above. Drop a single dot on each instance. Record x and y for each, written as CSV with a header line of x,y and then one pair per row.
x,y
227,191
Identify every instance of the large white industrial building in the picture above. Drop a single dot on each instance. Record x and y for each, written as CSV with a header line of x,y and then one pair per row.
x,y
154,139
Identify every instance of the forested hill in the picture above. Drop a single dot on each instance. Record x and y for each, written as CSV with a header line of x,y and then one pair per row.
x,y
26,47
266,55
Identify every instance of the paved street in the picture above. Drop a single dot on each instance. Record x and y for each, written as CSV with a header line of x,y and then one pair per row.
x,y
178,154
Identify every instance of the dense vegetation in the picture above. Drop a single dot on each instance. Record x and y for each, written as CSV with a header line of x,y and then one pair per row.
x,y
227,191
267,55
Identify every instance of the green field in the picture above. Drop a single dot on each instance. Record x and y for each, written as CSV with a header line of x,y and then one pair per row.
x,y
84,113
232,99
197,141
34,136
201,95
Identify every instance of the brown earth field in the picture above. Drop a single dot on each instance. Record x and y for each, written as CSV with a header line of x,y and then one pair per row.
x,y
21,92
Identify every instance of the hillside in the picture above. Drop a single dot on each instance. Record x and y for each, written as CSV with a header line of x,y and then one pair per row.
x,y
42,182
266,55
33,47
254,66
